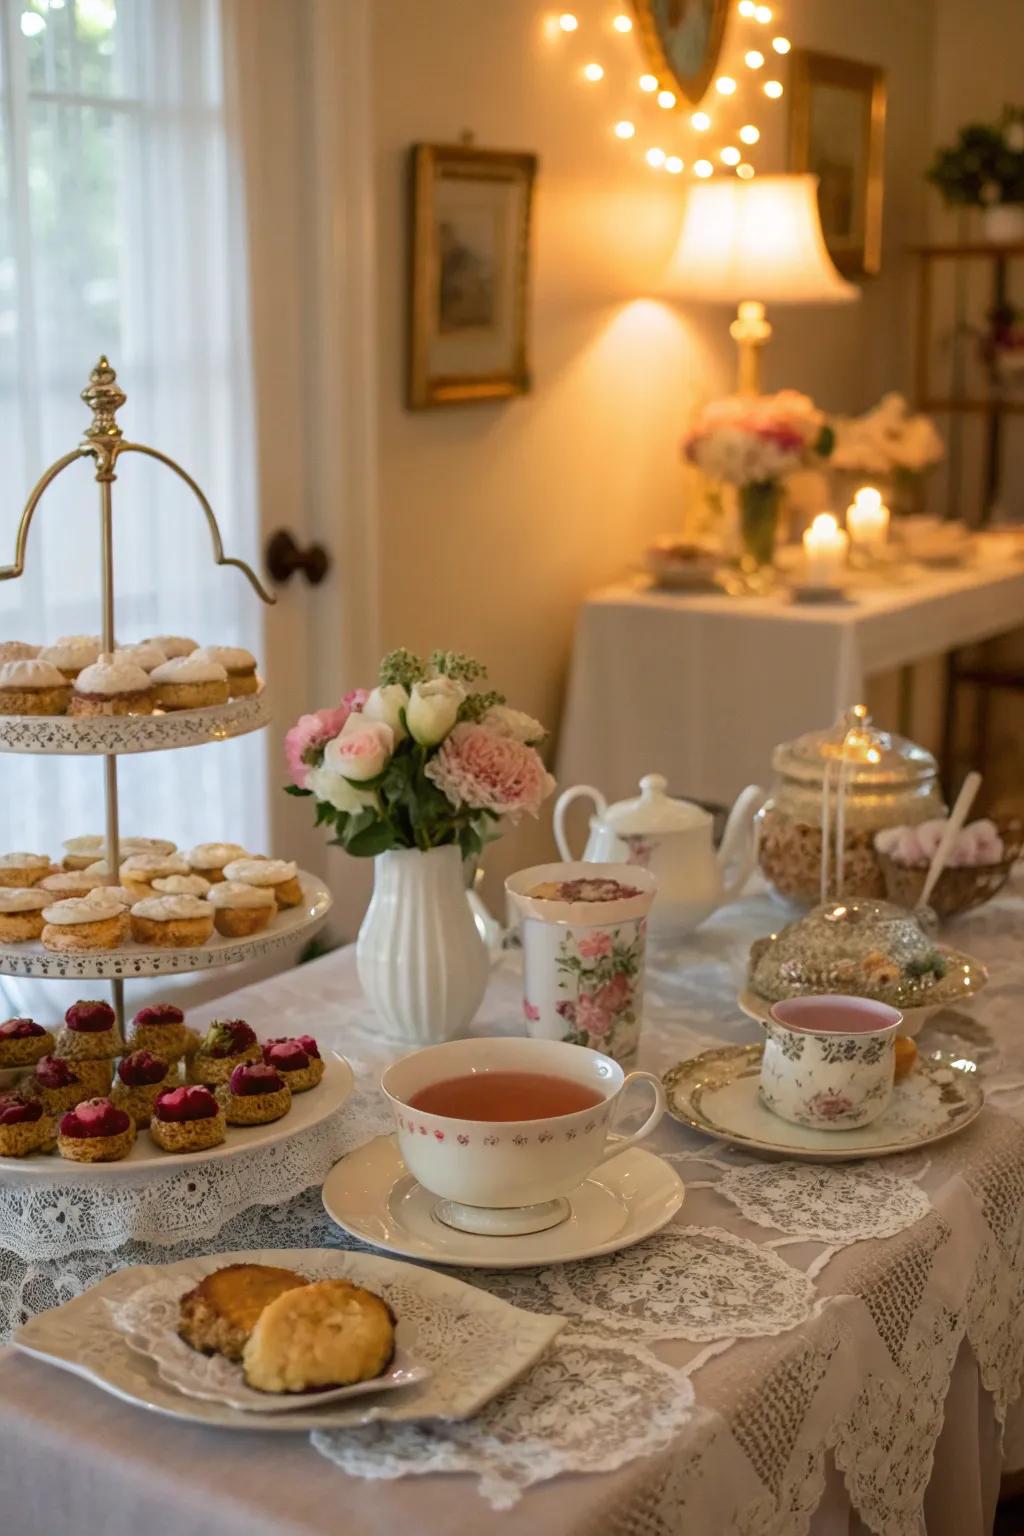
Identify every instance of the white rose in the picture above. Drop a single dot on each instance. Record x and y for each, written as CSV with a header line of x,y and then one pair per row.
x,y
386,704
432,709
362,750
337,791
514,723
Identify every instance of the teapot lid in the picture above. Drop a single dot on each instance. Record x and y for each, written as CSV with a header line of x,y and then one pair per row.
x,y
654,811
876,757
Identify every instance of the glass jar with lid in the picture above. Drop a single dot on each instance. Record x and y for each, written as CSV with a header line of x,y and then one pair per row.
x,y
854,779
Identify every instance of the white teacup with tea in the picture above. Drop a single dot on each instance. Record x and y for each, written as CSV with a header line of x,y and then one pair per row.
x,y
503,1130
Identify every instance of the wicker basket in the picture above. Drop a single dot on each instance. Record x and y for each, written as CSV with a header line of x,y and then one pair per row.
x,y
958,889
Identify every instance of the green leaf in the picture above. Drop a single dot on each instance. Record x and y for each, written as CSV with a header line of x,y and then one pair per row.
x,y
293,789
378,838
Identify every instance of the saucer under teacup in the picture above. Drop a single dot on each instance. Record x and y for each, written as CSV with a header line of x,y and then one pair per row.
x,y
371,1195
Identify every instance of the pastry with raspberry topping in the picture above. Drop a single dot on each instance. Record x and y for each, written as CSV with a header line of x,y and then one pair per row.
x,y
140,1078
24,1126
188,1119
161,1028
227,1044
23,1042
90,1033
95,1131
59,1084
297,1059
256,1095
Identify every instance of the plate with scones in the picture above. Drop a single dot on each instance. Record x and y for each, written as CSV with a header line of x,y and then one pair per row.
x,y
291,1339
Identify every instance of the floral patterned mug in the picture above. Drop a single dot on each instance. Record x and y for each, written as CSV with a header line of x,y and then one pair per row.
x,y
583,959
829,1061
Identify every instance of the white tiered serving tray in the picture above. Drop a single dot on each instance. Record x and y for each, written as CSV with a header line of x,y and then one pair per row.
x,y
146,1160
285,929
110,735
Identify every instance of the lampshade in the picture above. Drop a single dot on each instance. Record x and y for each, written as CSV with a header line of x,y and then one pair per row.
x,y
756,239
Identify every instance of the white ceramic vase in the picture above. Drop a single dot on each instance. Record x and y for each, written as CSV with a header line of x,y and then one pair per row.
x,y
1003,223
421,961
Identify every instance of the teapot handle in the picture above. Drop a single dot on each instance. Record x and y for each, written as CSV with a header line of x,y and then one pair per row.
x,y
739,841
580,791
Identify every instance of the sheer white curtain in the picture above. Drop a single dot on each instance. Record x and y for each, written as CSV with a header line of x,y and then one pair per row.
x,y
122,231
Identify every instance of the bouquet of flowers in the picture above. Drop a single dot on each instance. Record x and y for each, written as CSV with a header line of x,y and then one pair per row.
x,y
422,760
986,164
886,439
758,439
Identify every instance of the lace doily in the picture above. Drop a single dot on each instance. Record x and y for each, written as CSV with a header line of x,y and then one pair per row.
x,y
828,1204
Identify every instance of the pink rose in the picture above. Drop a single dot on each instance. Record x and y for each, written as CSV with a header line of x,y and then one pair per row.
x,y
594,946
591,1018
303,742
479,768
615,994
361,751
531,1011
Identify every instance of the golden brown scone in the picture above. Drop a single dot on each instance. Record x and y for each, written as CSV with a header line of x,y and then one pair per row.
x,y
329,1334
218,1315
906,1056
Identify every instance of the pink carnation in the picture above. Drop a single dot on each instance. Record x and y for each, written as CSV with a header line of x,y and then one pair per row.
x,y
478,768
311,732
595,945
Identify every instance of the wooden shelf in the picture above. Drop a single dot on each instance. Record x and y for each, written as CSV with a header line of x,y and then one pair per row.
x,y
970,249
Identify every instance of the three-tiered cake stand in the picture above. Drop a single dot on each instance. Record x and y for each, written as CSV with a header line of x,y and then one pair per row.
x,y
110,736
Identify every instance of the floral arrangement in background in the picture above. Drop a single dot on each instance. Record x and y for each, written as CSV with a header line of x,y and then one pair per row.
x,y
420,761
886,439
1002,343
985,166
757,439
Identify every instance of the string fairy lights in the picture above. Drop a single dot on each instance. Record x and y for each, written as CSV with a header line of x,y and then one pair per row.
x,y
736,91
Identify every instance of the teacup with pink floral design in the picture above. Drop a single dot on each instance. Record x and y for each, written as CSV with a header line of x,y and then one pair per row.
x,y
584,930
829,1061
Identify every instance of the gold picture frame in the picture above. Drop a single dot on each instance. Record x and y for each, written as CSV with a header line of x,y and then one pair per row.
x,y
682,40
837,131
469,256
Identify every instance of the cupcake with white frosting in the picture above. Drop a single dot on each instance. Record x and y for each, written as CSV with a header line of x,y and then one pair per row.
x,y
190,682
81,852
33,687
278,875
17,650
109,893
172,922
145,654
209,859
84,923
112,685
239,664
172,645
21,913
72,653
180,885
139,871
22,869
239,910
71,882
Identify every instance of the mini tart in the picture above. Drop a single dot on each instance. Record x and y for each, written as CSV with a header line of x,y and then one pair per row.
x,y
72,653
137,1098
172,645
187,1130
23,1042
280,875
237,1045
171,922
59,1084
71,882
112,686
21,913
33,687
162,1030
256,1095
23,869
240,909
84,923
296,1061
81,852
24,1126
239,664
190,682
139,871
90,1033
112,1140
209,859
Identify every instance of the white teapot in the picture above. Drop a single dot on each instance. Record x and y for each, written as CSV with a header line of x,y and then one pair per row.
x,y
672,839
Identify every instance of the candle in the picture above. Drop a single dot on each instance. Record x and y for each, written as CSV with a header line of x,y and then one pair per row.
x,y
868,519
825,547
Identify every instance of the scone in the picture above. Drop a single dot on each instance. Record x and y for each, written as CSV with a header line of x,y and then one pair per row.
x,y
297,1060
33,688
190,682
329,1334
23,1042
277,875
95,1131
140,1078
256,1095
161,1028
172,922
240,910
90,1033
24,1126
21,913
84,923
227,1044
239,664
23,869
59,1084
218,1315
209,859
187,1120
72,653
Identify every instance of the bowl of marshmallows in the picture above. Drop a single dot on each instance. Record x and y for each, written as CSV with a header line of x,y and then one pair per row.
x,y
978,865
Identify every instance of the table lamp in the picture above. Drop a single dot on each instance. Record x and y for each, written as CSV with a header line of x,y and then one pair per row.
x,y
752,242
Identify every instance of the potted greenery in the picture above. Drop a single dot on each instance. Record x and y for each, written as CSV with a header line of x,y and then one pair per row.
x,y
985,169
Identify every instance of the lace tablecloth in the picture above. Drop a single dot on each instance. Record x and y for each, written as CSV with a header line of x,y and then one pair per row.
x,y
793,1320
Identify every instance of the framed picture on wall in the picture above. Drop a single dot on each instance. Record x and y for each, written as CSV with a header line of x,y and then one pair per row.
x,y
837,131
682,40
469,274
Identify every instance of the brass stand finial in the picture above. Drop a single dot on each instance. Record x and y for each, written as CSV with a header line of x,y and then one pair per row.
x,y
104,397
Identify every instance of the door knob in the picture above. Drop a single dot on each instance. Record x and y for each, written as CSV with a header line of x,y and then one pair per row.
x,y
284,558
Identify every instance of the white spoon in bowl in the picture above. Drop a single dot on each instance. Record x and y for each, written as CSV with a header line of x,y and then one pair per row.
x,y
957,817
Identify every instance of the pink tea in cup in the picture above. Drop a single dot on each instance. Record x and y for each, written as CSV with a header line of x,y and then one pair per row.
x,y
504,1096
